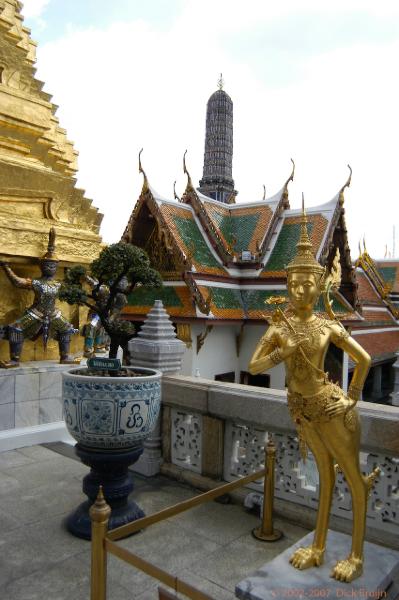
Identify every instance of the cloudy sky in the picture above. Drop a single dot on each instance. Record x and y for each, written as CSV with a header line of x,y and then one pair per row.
x,y
313,80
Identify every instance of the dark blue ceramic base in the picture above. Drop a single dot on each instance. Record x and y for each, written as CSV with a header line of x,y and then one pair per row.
x,y
109,469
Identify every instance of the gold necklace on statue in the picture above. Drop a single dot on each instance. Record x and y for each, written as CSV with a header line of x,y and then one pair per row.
x,y
302,366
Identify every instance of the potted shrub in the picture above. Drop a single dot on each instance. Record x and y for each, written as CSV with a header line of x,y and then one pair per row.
x,y
110,410
103,289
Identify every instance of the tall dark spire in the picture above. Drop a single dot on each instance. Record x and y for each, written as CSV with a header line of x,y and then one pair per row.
x,y
217,178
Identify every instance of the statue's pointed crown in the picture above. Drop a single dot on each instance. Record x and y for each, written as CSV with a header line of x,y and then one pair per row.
x,y
304,259
50,254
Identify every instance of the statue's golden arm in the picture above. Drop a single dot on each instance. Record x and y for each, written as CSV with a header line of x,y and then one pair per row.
x,y
20,282
359,356
267,353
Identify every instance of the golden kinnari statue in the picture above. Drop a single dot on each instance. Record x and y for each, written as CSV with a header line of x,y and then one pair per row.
x,y
325,417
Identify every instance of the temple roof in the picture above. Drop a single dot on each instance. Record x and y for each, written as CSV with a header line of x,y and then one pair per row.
x,y
381,345
177,298
240,227
231,258
378,282
284,248
367,292
389,271
378,332
225,302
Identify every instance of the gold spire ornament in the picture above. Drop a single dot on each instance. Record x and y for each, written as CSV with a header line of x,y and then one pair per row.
x,y
176,197
185,171
332,283
145,187
324,415
346,184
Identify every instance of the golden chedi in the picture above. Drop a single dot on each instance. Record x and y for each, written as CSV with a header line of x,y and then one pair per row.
x,y
325,417
38,189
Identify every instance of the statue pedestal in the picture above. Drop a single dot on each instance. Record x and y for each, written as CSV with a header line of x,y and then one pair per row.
x,y
30,394
278,580
111,470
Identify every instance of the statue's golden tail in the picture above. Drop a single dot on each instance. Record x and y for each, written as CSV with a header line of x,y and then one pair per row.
x,y
370,479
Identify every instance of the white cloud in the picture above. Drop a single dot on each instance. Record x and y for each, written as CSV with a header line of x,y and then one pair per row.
x,y
131,86
229,15
34,8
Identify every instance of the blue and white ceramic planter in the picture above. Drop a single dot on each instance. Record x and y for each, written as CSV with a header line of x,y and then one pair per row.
x,y
111,412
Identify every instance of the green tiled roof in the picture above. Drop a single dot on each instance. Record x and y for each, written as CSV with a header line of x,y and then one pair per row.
x,y
388,274
223,298
194,241
255,299
226,298
243,230
237,230
285,247
143,296
338,308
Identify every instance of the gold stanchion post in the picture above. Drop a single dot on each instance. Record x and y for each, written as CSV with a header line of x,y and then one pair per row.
x,y
266,531
99,514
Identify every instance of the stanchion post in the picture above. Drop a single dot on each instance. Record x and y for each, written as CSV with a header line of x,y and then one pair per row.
x,y
266,531
99,514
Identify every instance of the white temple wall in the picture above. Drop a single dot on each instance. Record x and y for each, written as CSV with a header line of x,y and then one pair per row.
x,y
188,357
217,355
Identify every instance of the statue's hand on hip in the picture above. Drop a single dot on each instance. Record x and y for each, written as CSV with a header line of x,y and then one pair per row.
x,y
338,407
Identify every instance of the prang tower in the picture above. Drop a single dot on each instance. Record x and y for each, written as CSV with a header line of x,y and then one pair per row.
x,y
217,178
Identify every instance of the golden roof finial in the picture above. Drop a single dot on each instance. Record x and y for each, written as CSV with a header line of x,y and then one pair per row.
x,y
346,184
360,249
264,192
174,192
291,177
304,259
232,198
364,243
220,82
189,182
286,203
145,187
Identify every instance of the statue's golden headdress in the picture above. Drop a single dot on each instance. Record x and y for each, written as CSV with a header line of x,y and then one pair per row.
x,y
50,254
304,259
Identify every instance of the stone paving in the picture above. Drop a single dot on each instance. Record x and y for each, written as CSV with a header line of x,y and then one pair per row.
x,y
211,546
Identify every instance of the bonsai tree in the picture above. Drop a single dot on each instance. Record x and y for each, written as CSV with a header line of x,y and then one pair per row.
x,y
104,288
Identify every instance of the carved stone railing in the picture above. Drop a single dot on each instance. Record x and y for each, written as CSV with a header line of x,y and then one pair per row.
x,y
217,430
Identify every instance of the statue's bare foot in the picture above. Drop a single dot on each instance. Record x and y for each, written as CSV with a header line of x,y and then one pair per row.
x,y
348,569
303,558
10,364
69,360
